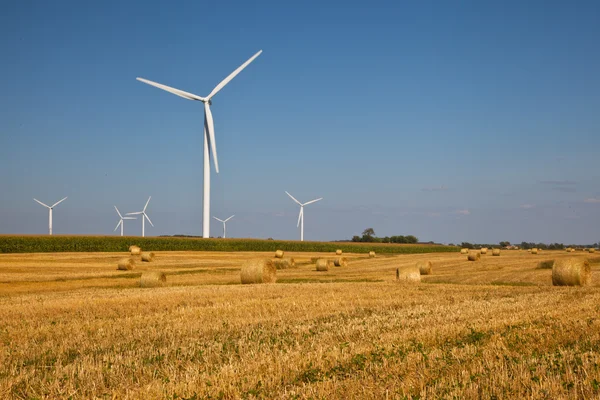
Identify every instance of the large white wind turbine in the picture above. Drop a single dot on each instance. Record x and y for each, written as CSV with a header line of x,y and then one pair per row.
x,y
209,134
121,220
224,222
50,212
144,217
301,215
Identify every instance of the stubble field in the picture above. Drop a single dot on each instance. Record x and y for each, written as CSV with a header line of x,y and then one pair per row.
x,y
71,325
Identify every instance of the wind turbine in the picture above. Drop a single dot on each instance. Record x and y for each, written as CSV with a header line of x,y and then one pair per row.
x,y
209,134
144,217
121,220
301,215
224,227
50,212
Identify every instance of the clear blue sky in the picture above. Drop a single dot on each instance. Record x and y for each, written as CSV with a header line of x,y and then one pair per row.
x,y
475,121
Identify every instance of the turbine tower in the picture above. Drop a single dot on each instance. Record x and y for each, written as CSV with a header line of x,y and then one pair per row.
x,y
121,220
209,134
224,227
301,215
144,217
50,212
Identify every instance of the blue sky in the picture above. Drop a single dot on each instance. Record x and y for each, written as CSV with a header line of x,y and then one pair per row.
x,y
452,121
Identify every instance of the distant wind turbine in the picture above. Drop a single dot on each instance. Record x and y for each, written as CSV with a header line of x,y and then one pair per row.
x,y
144,217
121,220
301,215
224,222
209,134
50,212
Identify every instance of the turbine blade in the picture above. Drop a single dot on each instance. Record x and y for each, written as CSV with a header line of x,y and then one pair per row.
x,y
180,93
118,212
300,216
41,203
229,218
210,127
293,198
231,76
119,224
313,201
147,203
129,218
135,213
58,202
148,218
220,220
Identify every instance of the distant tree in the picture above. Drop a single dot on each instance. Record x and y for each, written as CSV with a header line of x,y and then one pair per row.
x,y
466,245
369,232
411,239
504,244
386,239
356,238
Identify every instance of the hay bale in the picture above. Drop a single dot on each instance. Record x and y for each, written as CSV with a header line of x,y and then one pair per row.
x,y
424,267
571,272
338,252
548,264
592,250
324,264
534,251
314,260
464,251
474,256
408,275
148,256
371,254
135,250
259,271
483,250
284,263
279,254
340,262
153,279
126,264
496,252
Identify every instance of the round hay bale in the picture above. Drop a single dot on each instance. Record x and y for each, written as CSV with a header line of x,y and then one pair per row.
x,y
153,279
424,267
571,272
534,251
464,251
324,264
592,250
408,275
548,264
148,256
338,252
126,264
284,263
371,254
340,262
135,250
259,271
483,250
572,250
496,252
474,256
279,254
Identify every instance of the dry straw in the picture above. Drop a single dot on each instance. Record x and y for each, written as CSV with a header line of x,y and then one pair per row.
x,y
408,275
571,272
153,279
148,256
474,256
338,252
483,250
324,264
548,264
259,271
534,251
372,254
284,263
279,254
126,264
340,262
464,251
135,250
424,267
496,252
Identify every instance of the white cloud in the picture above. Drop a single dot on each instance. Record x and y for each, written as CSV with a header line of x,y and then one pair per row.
x,y
462,212
527,206
592,200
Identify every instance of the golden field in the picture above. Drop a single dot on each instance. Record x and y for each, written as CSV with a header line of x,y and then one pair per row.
x,y
71,325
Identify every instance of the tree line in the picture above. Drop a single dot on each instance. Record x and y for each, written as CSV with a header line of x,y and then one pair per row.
x,y
368,236
526,245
